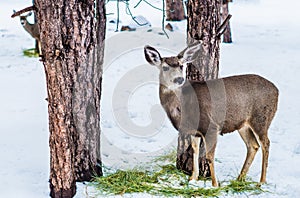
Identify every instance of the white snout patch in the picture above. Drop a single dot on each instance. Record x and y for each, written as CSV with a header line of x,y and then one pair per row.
x,y
176,85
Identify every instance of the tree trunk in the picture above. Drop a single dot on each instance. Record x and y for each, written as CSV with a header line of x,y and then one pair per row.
x,y
175,10
72,37
203,24
225,11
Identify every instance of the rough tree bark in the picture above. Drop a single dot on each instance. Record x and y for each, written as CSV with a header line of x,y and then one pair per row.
x,y
175,10
225,11
203,24
72,37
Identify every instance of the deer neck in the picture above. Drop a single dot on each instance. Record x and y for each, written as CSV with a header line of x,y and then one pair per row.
x,y
28,26
165,91
169,98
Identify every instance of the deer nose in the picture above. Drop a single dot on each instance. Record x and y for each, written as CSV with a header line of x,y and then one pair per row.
x,y
178,80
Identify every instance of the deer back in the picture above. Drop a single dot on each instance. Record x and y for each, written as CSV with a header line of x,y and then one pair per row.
x,y
226,104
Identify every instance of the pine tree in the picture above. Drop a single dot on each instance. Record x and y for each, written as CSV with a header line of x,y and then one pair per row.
x,y
72,37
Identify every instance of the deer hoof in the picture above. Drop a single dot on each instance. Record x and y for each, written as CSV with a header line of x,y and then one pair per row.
x,y
193,177
241,177
215,184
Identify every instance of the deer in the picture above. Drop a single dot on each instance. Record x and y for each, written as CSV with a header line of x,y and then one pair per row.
x,y
203,110
32,29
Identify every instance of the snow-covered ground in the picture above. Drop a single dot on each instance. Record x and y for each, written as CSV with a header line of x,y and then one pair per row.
x,y
265,34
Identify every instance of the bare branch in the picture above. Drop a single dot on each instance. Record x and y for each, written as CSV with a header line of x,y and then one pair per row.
x,y
128,11
148,4
222,28
221,33
138,4
118,15
30,8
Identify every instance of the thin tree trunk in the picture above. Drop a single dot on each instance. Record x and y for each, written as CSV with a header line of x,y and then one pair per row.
x,y
175,10
225,11
203,23
72,37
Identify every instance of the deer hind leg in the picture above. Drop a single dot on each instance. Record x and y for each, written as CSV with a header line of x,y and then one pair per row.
x,y
252,147
261,131
265,144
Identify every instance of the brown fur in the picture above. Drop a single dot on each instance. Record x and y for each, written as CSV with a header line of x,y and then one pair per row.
x,y
246,103
32,29
248,98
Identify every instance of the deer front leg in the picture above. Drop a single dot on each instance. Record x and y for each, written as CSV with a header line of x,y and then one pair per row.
x,y
195,145
211,143
210,156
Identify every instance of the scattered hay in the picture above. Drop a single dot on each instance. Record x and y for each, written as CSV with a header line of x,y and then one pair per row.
x,y
31,53
168,181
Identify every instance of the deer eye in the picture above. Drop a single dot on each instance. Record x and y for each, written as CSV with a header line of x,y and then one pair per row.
x,y
165,68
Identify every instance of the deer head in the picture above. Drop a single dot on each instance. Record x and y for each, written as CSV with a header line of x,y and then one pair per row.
x,y
23,18
172,69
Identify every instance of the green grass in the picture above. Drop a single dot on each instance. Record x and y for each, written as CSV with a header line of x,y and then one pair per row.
x,y
168,182
170,157
31,53
125,182
248,185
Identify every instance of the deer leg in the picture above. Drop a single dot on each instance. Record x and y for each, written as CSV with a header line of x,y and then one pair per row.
x,y
195,145
211,160
252,147
211,143
261,130
40,47
265,144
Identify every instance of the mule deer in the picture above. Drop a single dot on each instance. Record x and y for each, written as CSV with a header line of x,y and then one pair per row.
x,y
246,103
32,29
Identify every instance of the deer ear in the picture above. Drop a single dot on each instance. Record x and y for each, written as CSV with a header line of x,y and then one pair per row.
x,y
190,53
152,55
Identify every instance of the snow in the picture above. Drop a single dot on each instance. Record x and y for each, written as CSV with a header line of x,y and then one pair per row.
x,y
265,34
